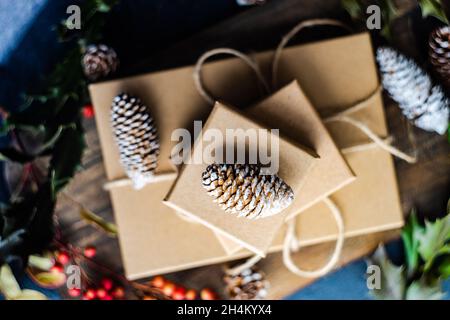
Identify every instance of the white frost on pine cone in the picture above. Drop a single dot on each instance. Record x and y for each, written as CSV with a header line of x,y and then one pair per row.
x,y
421,102
137,139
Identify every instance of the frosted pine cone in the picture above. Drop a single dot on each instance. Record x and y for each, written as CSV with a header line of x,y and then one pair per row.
x,y
439,53
425,105
250,284
99,61
241,189
136,136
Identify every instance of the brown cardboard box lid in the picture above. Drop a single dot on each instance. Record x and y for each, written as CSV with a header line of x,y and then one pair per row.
x,y
189,197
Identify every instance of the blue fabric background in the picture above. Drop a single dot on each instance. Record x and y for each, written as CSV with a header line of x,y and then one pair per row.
x,y
29,48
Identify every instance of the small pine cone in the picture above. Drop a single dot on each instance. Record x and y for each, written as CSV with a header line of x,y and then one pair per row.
x,y
241,189
250,284
439,53
137,138
421,102
99,61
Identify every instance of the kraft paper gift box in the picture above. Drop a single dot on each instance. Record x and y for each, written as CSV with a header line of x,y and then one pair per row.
x,y
190,198
334,74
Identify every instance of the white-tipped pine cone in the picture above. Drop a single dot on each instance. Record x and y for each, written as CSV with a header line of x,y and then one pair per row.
x,y
421,102
137,138
242,190
250,284
99,61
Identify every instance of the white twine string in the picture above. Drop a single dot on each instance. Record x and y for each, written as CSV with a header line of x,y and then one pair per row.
x,y
291,242
373,136
246,265
208,54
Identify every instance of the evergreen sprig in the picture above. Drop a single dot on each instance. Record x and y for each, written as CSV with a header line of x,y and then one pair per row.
x,y
389,11
51,114
427,262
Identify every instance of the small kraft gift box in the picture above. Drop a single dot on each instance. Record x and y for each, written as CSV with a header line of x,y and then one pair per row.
x,y
240,137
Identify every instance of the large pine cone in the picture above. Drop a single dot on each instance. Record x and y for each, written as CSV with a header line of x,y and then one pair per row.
x,y
137,138
439,53
241,189
99,61
250,284
421,102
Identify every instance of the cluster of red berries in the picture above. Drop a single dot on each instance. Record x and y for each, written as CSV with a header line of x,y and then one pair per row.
x,y
177,292
107,289
63,258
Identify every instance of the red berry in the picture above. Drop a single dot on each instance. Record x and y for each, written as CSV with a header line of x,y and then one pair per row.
x,y
89,294
101,293
107,284
63,258
207,294
90,251
107,297
179,293
168,289
118,293
158,282
88,111
57,268
191,294
74,292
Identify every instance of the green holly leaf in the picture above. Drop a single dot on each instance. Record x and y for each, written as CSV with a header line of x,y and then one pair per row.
x,y
411,243
11,244
433,8
420,290
448,133
433,240
14,155
102,6
444,268
353,7
67,153
392,281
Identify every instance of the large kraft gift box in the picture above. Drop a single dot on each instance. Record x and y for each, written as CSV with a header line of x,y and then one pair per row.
x,y
335,74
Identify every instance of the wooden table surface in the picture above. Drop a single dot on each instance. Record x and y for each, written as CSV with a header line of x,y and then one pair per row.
x,y
424,185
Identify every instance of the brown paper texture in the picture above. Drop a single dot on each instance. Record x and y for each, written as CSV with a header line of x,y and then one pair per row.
x,y
189,197
334,74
